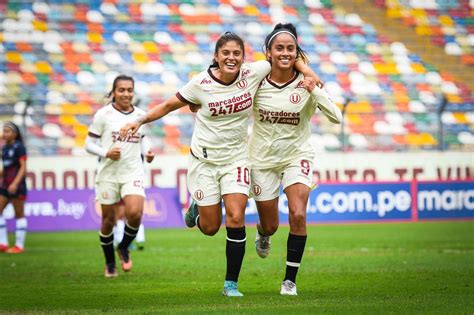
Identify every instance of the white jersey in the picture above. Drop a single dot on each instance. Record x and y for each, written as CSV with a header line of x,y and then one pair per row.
x,y
281,129
106,126
220,132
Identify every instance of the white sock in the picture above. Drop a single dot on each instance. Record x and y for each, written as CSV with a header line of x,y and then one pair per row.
x,y
118,231
3,232
141,234
20,233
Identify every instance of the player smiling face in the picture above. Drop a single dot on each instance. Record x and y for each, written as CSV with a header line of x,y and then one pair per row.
x,y
8,135
229,57
283,51
123,94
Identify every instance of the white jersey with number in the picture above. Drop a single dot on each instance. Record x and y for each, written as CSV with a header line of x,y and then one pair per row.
x,y
281,130
220,132
106,126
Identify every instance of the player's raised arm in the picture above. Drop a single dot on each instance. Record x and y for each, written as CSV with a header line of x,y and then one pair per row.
x,y
324,101
155,113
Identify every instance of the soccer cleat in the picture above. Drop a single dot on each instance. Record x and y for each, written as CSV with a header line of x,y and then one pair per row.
x,y
110,271
230,289
3,248
288,287
262,245
15,250
125,259
140,245
191,215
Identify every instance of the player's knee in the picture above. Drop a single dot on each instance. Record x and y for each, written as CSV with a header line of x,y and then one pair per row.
x,y
298,219
209,229
134,216
269,228
233,219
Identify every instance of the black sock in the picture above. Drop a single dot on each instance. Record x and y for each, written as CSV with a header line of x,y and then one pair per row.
x,y
235,251
107,243
294,252
129,234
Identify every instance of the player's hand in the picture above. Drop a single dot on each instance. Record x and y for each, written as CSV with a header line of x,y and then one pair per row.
x,y
319,82
309,84
12,188
114,154
149,156
130,128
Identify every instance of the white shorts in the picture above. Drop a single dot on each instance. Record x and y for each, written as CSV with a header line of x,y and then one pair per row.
x,y
108,193
207,182
266,182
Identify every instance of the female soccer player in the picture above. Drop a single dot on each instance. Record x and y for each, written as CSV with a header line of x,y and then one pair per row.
x,y
218,166
120,174
13,187
148,155
280,148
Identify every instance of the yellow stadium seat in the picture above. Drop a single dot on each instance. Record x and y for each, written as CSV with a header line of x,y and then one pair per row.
x,y
423,30
418,68
40,25
453,98
68,120
44,67
461,118
251,10
140,58
394,13
418,12
95,38
445,20
151,47
354,119
81,130
13,57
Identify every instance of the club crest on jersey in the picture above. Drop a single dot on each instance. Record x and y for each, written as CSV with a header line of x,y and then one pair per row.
x,y
242,84
257,190
198,194
295,98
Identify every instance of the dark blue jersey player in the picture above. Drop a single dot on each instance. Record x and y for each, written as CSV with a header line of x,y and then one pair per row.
x,y
13,186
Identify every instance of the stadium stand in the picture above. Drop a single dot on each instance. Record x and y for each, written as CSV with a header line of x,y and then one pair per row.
x,y
449,23
58,58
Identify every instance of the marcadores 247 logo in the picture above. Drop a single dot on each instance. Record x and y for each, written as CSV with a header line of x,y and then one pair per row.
x,y
232,105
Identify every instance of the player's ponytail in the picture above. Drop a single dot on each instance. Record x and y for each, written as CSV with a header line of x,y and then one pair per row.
x,y
223,39
288,28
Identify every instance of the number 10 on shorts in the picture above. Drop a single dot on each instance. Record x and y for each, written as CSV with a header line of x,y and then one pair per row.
x,y
243,174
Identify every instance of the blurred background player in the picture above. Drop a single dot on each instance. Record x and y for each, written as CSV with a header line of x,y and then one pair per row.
x,y
120,174
13,187
218,166
148,155
280,147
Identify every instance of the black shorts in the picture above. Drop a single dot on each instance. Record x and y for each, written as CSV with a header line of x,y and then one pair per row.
x,y
21,193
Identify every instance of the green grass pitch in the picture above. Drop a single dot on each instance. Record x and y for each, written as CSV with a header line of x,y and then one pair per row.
x,y
352,268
